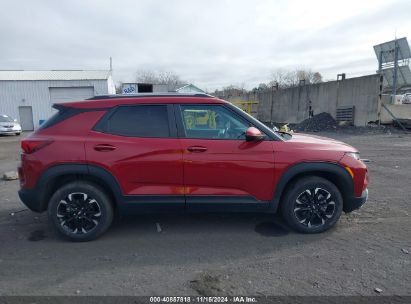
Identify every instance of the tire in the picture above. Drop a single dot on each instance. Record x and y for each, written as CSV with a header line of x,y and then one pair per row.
x,y
312,205
17,134
80,211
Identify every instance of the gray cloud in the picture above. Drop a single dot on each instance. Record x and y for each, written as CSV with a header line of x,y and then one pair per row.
x,y
211,43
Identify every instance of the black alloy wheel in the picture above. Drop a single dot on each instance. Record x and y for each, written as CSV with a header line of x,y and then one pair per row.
x,y
311,204
314,207
80,211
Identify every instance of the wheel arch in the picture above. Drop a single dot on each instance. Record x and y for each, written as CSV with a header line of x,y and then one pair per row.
x,y
58,175
333,172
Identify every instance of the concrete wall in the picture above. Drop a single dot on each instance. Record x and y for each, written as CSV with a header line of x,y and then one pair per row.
x,y
292,105
399,110
37,95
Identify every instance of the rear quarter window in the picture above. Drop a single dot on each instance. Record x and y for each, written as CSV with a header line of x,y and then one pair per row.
x,y
138,121
62,114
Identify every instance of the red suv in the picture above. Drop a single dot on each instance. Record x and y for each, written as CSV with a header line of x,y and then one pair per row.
x,y
181,152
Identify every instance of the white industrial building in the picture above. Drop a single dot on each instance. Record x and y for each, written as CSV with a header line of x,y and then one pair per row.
x,y
29,95
136,88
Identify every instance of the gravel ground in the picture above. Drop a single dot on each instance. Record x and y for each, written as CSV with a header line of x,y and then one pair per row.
x,y
220,254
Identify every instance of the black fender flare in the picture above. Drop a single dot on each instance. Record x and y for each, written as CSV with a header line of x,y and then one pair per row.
x,y
56,171
342,178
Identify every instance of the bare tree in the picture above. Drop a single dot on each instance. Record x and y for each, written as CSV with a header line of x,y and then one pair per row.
x,y
280,78
171,79
317,77
288,79
261,88
146,76
231,90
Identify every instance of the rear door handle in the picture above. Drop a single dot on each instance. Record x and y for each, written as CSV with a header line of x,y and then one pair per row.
x,y
197,149
104,147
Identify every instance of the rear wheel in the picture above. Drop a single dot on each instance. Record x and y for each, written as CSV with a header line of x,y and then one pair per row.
x,y
80,211
312,205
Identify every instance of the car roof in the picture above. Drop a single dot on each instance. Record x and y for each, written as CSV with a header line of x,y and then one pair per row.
x,y
109,101
165,94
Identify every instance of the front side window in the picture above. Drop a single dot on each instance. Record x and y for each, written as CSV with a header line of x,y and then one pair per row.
x,y
139,121
212,122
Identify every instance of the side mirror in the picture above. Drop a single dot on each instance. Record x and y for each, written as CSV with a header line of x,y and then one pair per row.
x,y
253,134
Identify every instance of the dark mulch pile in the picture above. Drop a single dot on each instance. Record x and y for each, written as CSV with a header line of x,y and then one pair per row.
x,y
319,122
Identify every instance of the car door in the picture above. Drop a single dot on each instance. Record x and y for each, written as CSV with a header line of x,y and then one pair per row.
x,y
138,145
220,166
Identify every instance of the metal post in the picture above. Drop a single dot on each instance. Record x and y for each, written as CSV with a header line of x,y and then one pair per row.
x,y
272,105
380,98
394,84
380,63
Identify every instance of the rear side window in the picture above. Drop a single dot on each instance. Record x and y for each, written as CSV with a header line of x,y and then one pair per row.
x,y
62,113
139,121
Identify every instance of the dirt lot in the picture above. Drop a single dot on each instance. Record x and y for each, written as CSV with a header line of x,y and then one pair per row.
x,y
220,254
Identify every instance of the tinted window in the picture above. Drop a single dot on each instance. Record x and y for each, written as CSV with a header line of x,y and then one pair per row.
x,y
139,121
212,122
62,114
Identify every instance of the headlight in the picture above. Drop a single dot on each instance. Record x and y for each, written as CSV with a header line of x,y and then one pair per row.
x,y
355,155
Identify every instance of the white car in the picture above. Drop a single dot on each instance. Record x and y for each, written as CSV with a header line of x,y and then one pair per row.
x,y
9,125
406,98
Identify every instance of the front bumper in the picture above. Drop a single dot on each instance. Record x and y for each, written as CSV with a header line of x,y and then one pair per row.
x,y
355,202
9,131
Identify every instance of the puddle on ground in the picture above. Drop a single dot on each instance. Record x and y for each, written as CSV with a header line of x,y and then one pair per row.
x,y
271,229
36,235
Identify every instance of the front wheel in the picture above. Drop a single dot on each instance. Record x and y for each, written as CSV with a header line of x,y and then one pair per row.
x,y
80,211
312,205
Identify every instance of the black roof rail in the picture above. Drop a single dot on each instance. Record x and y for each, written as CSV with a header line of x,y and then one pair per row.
x,y
116,96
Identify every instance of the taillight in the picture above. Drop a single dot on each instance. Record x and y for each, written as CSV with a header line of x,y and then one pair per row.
x,y
31,145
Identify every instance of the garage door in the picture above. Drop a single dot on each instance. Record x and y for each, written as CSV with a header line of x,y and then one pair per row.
x,y
70,94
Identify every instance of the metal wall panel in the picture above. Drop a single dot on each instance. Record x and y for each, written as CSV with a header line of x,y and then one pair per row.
x,y
70,94
37,95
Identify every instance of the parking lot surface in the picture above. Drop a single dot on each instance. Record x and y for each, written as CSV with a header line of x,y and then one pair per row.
x,y
220,254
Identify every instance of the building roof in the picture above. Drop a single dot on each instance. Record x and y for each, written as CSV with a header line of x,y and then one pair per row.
x,y
186,88
55,75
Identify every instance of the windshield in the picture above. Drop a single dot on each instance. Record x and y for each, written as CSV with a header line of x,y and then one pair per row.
x,y
5,118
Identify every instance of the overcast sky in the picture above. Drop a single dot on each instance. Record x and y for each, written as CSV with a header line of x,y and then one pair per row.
x,y
209,43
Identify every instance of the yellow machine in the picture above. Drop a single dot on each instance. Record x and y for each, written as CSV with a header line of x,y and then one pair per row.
x,y
286,129
246,106
198,118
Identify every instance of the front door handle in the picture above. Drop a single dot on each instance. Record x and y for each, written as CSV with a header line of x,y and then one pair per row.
x,y
197,149
104,147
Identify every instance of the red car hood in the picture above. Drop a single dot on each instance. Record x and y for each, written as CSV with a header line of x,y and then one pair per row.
x,y
320,141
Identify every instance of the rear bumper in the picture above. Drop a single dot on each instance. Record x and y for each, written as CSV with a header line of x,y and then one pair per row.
x,y
30,199
355,202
